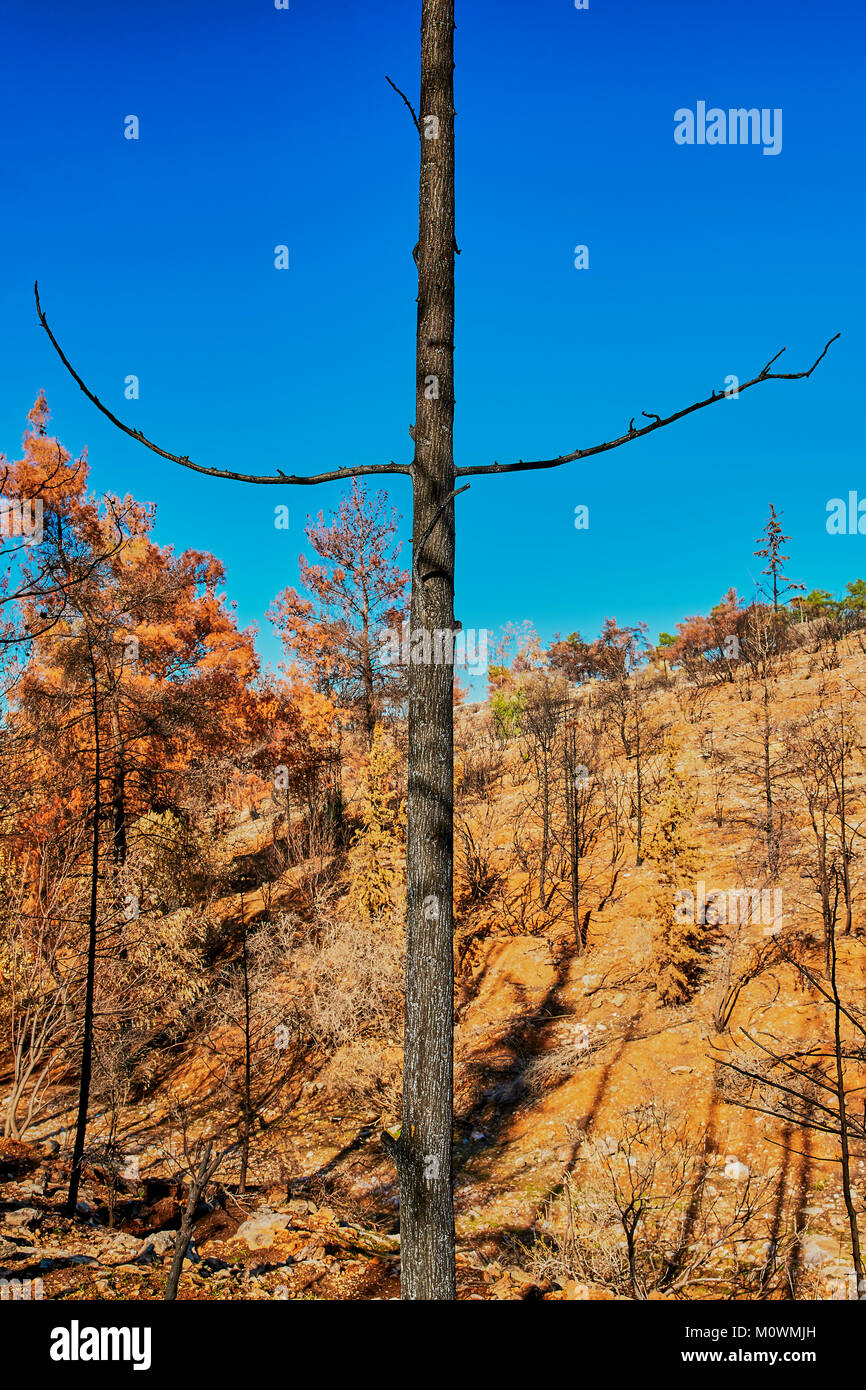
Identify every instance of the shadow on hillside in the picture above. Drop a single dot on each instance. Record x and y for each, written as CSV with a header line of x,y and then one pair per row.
x,y
501,1084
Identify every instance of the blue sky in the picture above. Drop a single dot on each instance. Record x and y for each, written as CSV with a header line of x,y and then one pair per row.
x,y
260,127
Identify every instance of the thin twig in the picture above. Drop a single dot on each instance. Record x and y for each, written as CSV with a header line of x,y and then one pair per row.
x,y
408,103
657,423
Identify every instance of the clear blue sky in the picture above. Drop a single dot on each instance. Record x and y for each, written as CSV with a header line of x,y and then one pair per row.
x,y
259,127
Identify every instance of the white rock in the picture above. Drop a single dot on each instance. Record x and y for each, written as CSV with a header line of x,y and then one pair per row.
x,y
24,1216
821,1250
735,1169
260,1231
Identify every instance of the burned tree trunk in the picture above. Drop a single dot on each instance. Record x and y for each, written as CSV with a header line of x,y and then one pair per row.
x,y
423,1154
247,1110
90,983
200,1175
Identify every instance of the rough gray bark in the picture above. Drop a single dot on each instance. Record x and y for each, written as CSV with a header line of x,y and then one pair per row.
x,y
423,1154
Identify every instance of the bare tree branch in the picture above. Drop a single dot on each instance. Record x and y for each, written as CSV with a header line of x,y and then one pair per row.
x,y
416,558
656,423
799,965
408,103
332,477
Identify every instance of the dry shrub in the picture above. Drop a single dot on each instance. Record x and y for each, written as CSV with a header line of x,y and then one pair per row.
x,y
351,1005
476,875
643,1211
477,888
555,1066
479,766
366,1071
738,962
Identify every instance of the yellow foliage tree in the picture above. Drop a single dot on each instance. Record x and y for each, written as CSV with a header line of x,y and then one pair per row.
x,y
374,861
678,934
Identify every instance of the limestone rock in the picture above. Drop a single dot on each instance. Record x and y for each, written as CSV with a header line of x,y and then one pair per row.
x,y
262,1230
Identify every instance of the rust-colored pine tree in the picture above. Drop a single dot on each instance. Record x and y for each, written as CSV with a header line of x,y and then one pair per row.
x,y
132,665
358,595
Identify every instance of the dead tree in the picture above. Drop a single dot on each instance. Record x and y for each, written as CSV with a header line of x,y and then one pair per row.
x,y
628,705
90,983
810,1085
761,752
819,753
38,994
540,722
423,1153
586,819
200,1164
253,1041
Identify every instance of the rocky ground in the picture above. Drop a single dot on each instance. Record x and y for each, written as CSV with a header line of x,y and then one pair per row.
x,y
249,1248
329,1231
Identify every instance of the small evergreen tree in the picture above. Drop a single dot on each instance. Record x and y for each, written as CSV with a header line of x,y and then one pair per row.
x,y
507,711
678,934
374,860
771,541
